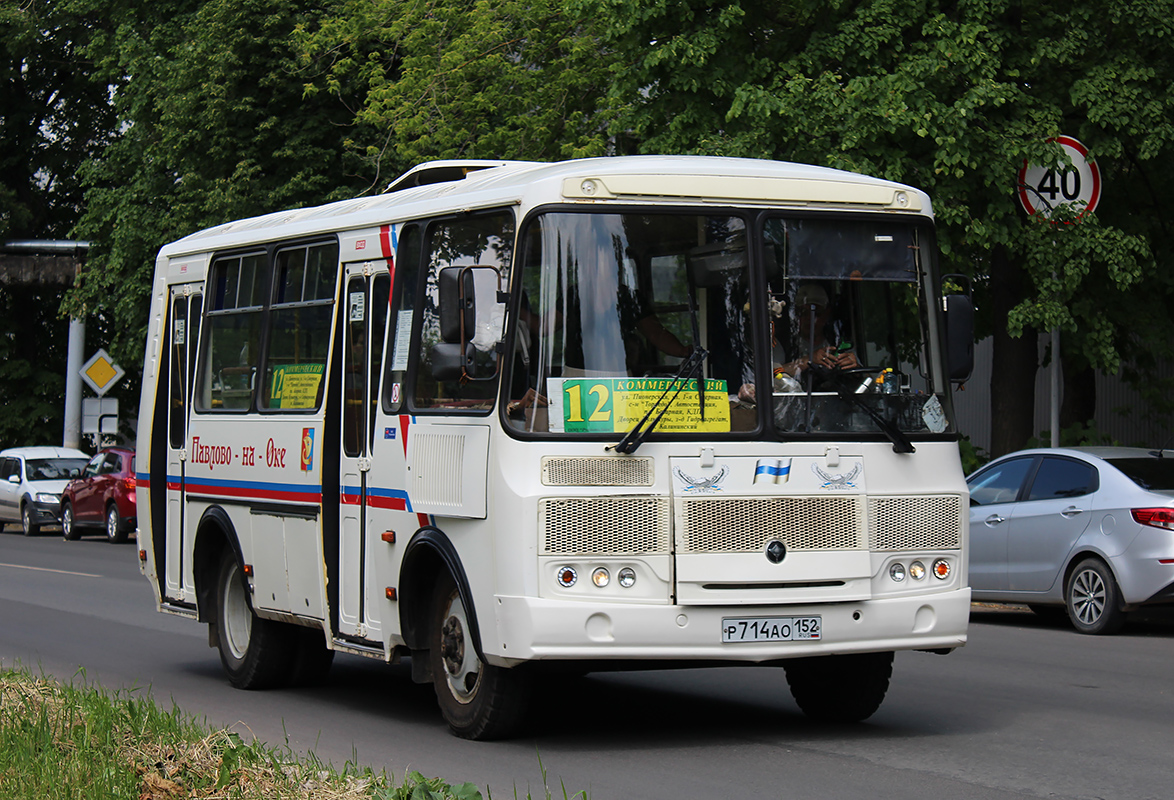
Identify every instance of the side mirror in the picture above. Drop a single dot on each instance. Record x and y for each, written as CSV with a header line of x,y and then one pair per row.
x,y
959,336
14,479
452,361
457,304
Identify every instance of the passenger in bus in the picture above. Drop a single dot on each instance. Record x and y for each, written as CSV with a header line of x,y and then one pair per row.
x,y
812,313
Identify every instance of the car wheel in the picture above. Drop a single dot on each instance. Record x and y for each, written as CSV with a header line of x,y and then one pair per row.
x,y
1093,599
477,700
27,525
847,688
256,653
115,530
68,529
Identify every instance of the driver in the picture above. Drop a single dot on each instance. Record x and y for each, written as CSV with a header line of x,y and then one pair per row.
x,y
813,313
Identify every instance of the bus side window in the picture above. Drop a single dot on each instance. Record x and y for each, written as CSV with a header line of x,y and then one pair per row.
x,y
233,325
478,240
299,327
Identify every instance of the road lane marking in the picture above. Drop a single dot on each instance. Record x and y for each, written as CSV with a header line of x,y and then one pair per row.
x,y
58,571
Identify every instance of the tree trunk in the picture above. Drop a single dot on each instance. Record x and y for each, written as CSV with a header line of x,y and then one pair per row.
x,y
1014,361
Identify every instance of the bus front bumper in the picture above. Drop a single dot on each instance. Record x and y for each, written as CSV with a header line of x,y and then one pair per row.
x,y
531,629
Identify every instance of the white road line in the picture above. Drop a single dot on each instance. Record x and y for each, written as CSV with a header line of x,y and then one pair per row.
x,y
58,571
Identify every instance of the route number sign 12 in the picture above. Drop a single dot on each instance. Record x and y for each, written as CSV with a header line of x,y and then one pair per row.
x,y
1043,189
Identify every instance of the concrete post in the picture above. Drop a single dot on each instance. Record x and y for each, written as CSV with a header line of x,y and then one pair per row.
x,y
74,359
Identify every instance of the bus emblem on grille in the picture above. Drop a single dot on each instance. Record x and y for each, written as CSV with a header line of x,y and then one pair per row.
x,y
776,551
702,485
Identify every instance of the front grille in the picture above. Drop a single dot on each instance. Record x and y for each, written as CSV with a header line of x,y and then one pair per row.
x,y
593,526
707,525
597,471
915,523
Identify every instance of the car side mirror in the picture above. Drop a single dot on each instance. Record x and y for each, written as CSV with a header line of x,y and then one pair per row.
x,y
14,479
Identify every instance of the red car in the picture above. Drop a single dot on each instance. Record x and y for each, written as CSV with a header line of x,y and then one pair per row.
x,y
103,497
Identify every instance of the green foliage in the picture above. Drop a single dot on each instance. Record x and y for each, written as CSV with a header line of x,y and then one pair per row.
x,y
972,455
417,787
53,115
495,79
214,127
1082,434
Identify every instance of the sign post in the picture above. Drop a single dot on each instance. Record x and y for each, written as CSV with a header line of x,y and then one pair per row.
x,y
1041,191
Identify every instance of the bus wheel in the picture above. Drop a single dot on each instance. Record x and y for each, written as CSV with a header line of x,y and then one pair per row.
x,y
255,652
846,688
477,700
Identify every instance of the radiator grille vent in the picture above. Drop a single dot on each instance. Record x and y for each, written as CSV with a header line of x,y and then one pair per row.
x,y
593,471
593,526
915,523
747,524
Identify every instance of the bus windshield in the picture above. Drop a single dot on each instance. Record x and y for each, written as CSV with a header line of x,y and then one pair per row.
x,y
612,304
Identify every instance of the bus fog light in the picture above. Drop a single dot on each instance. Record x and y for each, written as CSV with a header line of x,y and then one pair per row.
x,y
941,569
897,572
627,577
600,577
917,571
566,576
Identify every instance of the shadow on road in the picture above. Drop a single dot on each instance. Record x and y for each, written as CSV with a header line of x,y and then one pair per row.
x,y
1147,621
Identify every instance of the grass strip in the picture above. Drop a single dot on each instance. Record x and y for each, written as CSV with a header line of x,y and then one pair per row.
x,y
78,741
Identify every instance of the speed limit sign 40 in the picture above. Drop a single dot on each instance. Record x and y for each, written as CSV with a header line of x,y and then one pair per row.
x,y
1044,189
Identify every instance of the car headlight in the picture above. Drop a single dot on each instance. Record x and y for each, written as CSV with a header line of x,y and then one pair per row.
x,y
51,499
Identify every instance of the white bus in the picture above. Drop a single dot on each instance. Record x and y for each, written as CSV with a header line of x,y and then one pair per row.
x,y
516,419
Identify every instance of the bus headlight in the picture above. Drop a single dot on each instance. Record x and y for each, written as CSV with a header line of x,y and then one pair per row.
x,y
897,572
941,569
600,577
627,577
566,576
917,571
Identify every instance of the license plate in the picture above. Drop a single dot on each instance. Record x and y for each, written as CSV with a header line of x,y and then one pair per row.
x,y
771,629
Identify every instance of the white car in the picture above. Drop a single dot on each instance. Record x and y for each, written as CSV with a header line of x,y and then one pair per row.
x,y
1089,530
31,482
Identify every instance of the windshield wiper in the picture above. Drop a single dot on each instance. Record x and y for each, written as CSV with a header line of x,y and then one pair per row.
x,y
690,368
901,443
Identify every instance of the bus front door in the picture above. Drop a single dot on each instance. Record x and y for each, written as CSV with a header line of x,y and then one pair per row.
x,y
186,312
365,306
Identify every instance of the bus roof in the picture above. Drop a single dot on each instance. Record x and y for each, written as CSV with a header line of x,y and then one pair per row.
x,y
439,186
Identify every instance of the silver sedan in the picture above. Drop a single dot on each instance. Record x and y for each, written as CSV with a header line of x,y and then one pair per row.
x,y
1088,530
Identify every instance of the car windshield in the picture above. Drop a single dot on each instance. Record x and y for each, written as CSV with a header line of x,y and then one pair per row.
x,y
621,313
53,469
1154,474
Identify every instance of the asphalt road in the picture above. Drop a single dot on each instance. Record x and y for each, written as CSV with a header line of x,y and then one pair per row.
x,y
1027,709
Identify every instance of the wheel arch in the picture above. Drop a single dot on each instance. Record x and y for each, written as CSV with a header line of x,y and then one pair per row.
x,y
1081,555
215,533
428,554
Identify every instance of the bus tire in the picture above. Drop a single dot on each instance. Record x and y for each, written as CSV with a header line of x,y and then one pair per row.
x,y
478,700
256,653
848,688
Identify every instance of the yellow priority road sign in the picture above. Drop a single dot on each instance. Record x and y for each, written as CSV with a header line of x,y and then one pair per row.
x,y
100,372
